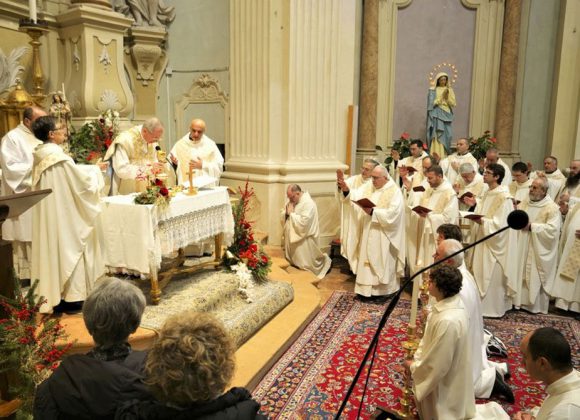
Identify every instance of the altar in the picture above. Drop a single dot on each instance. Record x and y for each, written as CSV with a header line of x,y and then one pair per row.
x,y
136,237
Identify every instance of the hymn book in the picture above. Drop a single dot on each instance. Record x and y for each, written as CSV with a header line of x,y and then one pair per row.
x,y
467,194
365,203
419,188
470,216
421,209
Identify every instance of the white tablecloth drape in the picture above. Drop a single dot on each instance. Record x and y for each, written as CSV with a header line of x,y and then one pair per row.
x,y
137,236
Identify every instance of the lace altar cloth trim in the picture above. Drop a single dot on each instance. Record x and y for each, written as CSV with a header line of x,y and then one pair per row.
x,y
137,236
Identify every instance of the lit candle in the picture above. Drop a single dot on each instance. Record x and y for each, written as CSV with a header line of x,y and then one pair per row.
x,y
414,298
32,7
63,95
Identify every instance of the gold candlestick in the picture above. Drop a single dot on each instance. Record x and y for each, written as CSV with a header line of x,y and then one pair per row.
x,y
191,190
424,298
35,31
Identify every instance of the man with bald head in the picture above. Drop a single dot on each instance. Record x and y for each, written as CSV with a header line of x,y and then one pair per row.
x,y
301,231
197,152
548,358
382,245
537,249
451,163
133,154
16,163
556,178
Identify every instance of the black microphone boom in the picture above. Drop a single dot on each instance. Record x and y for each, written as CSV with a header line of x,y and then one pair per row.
x,y
517,219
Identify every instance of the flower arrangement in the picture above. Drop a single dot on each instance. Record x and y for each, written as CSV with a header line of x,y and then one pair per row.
x,y
155,191
479,147
91,141
244,248
28,347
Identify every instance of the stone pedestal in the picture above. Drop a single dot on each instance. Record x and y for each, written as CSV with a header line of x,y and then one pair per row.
x,y
145,60
94,76
292,72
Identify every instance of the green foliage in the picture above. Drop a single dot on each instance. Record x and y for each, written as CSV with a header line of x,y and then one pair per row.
x,y
479,147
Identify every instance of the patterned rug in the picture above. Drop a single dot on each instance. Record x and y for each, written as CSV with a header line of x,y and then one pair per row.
x,y
311,378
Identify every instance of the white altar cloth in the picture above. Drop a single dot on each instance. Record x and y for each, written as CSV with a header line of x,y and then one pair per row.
x,y
136,236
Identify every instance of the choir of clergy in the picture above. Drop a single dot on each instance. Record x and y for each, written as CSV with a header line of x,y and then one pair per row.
x,y
453,162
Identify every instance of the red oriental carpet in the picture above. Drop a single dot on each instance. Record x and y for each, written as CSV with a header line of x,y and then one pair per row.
x,y
311,378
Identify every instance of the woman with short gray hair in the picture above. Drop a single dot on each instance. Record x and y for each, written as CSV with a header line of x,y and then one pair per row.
x,y
92,385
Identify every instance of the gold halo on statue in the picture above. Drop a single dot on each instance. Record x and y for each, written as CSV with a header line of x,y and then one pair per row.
x,y
446,67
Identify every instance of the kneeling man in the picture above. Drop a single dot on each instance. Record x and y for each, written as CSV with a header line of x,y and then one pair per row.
x,y
300,218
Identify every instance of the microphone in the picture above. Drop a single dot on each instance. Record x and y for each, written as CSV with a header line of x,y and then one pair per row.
x,y
158,148
517,220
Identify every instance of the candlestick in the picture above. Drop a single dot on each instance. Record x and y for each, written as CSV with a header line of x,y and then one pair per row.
x,y
32,7
35,29
191,190
63,94
414,299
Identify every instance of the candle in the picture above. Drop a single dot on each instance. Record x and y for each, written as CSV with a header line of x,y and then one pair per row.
x,y
414,297
32,7
63,95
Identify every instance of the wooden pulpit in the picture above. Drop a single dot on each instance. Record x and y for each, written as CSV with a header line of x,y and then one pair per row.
x,y
11,206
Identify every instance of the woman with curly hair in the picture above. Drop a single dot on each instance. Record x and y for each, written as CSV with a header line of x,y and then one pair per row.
x,y
188,370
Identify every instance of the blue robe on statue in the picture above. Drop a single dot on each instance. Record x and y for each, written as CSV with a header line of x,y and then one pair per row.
x,y
440,116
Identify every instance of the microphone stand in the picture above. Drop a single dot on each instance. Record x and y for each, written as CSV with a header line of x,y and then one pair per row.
x,y
389,310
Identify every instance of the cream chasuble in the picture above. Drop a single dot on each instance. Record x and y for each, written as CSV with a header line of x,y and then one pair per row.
x,y
566,288
456,159
563,400
441,371
350,228
301,238
492,261
206,150
131,156
476,187
382,245
537,256
65,248
16,162
444,209
413,199
520,191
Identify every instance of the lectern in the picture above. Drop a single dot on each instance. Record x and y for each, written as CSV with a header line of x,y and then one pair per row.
x,y
11,206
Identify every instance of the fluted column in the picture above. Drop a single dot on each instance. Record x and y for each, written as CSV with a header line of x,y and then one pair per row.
x,y
291,72
508,72
367,136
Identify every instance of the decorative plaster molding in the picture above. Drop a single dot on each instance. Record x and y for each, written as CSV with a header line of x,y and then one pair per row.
x,y
109,100
105,60
10,67
204,90
146,57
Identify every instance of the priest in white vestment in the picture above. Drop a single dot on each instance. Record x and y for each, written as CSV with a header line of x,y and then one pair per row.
x,y
382,251
197,152
350,228
566,288
301,231
556,178
548,358
572,184
16,161
520,186
441,199
537,246
452,163
487,375
470,182
441,369
414,161
66,253
133,155
492,262
491,157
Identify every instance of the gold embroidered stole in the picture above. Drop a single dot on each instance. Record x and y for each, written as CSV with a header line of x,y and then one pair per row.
x,y
45,163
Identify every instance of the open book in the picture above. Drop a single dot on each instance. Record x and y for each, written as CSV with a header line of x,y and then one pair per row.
x,y
365,203
419,188
421,209
466,194
470,216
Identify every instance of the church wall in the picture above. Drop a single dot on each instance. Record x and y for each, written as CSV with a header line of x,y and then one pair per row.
x,y
540,24
431,32
198,43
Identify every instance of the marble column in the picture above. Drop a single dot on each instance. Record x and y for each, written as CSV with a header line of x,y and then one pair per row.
x,y
508,73
292,71
367,135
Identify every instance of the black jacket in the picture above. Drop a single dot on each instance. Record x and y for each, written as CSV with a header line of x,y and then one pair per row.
x,y
236,404
84,387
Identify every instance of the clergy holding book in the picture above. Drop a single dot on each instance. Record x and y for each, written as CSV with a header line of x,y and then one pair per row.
x,y
16,162
382,246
